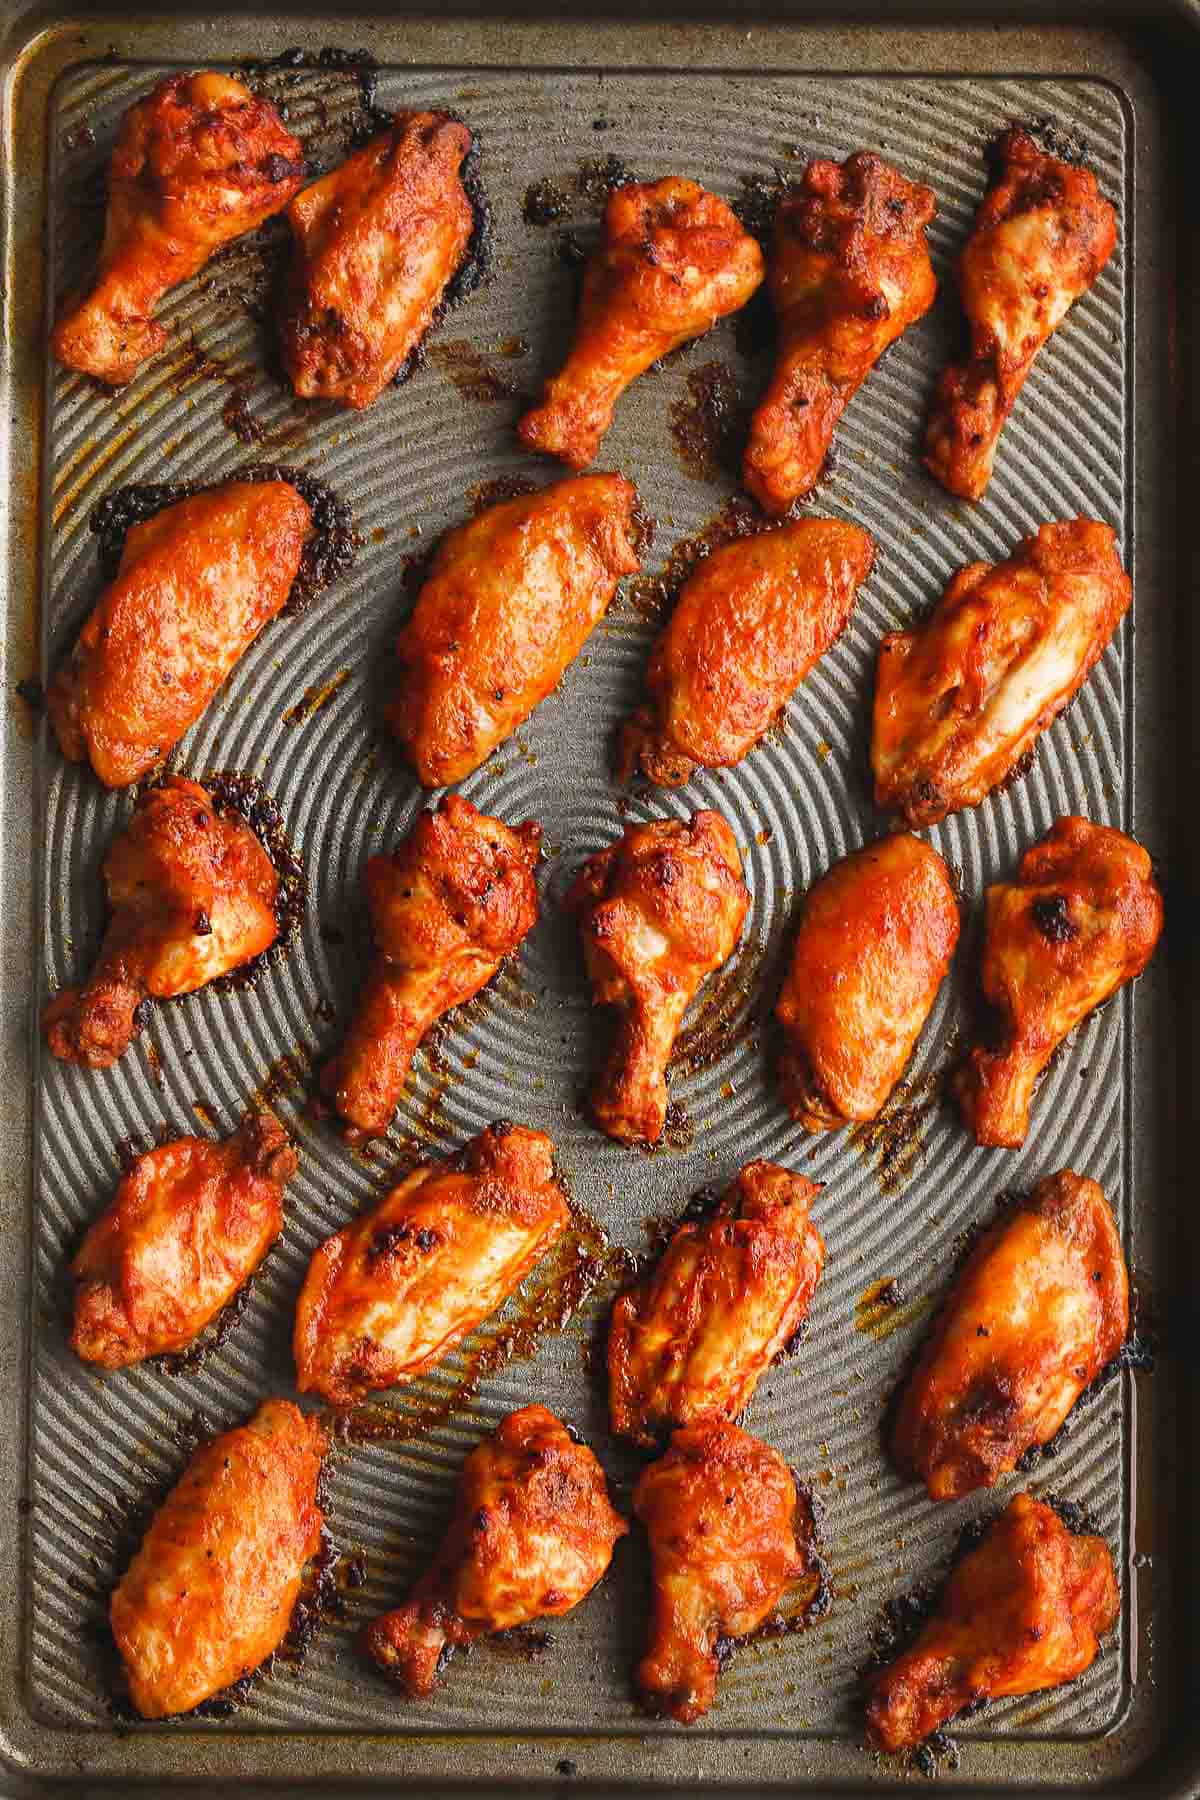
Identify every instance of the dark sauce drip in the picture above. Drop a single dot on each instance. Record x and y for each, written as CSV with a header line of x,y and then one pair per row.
x,y
582,1261
329,553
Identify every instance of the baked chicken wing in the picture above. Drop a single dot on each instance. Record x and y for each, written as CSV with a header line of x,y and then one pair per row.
x,y
672,260
1021,1613
748,626
391,1294
960,699
689,1344
659,910
1042,235
721,1513
1081,919
446,908
210,1594
849,273
195,586
510,600
533,1532
877,934
377,241
188,1225
191,894
1041,1306
197,162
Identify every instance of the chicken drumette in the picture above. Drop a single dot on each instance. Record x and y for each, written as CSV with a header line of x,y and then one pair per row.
x,y
849,273
188,1225
196,584
877,934
727,1539
960,699
1081,919
748,626
1040,1308
197,162
391,1294
210,1594
446,908
510,600
376,243
192,895
672,261
1021,1613
533,1532
1041,237
659,910
690,1343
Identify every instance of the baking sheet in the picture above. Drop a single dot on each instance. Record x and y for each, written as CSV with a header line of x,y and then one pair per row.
x,y
301,713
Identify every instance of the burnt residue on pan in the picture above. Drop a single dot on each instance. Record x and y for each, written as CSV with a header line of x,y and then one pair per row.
x,y
708,427
233,791
328,554
315,697
723,1013
582,1262
881,1309
651,597
485,494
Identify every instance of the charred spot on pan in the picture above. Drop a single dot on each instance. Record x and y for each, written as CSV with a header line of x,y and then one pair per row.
x,y
757,203
601,176
707,427
1078,1518
544,203
1066,146
31,691
328,554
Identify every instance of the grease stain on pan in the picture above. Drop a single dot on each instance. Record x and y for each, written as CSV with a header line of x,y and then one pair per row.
x,y
882,1309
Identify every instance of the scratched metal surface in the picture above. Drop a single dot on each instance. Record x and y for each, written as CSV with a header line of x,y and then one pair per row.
x,y
894,1203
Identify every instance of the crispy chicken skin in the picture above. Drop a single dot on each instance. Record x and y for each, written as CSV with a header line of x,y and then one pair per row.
x,y
658,911
198,162
210,1593
672,260
849,273
377,240
960,699
510,600
446,908
1042,235
690,1343
877,935
188,1225
1041,1306
391,1294
1021,1613
191,894
720,1511
533,1532
749,624
196,584
1081,919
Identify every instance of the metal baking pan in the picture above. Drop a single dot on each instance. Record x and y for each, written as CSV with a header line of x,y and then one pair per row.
x,y
1108,424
